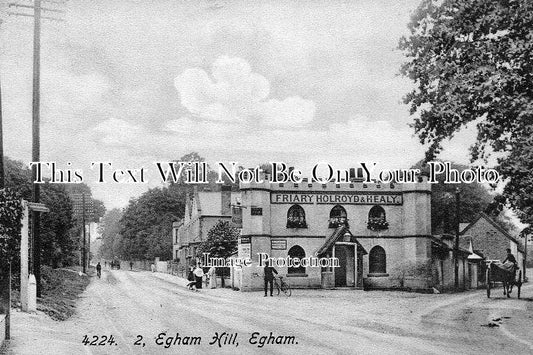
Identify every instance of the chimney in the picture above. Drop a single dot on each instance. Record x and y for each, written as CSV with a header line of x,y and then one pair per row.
x,y
225,200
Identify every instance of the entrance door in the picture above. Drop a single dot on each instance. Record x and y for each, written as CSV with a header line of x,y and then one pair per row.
x,y
345,274
340,272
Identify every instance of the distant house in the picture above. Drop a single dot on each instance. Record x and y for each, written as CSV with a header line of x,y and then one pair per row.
x,y
489,239
203,209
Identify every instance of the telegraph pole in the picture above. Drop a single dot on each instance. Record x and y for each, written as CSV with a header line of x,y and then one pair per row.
x,y
457,231
84,236
36,145
36,105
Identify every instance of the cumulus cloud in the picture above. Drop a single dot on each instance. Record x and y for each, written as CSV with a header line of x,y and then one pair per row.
x,y
239,95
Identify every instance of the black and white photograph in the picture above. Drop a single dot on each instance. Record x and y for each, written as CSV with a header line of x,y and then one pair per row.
x,y
266,177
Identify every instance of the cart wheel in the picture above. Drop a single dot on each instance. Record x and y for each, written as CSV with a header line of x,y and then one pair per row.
x,y
519,285
487,281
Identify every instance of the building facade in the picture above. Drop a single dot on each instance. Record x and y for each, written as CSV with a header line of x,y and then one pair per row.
x,y
203,210
380,233
491,240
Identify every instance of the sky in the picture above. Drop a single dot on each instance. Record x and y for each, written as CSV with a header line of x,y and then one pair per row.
x,y
133,82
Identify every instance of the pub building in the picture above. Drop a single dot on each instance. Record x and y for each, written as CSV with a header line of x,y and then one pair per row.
x,y
380,233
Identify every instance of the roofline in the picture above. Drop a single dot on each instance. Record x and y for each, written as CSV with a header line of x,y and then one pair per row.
x,y
493,223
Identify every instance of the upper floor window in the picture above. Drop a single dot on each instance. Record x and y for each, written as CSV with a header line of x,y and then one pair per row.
x,y
337,217
296,217
376,219
296,252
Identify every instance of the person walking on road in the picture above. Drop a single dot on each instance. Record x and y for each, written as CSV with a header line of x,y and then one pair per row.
x,y
269,272
99,270
131,265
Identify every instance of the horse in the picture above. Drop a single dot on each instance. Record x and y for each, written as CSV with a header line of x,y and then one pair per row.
x,y
505,274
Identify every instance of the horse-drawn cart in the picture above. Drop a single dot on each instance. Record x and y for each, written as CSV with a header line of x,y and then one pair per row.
x,y
508,276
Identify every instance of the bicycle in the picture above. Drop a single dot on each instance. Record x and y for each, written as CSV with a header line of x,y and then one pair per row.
x,y
282,286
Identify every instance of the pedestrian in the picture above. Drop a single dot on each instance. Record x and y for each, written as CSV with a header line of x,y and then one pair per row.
x,y
99,270
212,277
198,274
105,263
269,272
131,265
192,280
152,267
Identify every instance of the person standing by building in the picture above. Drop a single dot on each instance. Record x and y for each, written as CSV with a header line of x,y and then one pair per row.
x,y
198,274
192,280
269,272
212,277
131,265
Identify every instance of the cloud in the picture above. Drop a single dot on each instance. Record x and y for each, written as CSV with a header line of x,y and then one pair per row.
x,y
238,95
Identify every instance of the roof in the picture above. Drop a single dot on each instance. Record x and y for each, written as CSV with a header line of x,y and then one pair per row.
x,y
495,225
439,242
337,234
210,202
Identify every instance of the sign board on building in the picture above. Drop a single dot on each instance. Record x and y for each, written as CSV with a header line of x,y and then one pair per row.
x,y
348,198
278,244
236,216
245,248
257,211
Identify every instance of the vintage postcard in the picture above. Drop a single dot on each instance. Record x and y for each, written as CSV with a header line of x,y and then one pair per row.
x,y
278,177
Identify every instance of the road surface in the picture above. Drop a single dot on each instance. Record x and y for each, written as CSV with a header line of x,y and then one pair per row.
x,y
150,313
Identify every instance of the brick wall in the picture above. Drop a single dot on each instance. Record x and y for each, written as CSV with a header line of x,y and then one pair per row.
x,y
489,240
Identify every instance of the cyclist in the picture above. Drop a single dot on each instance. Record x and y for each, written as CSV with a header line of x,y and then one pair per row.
x,y
98,270
269,272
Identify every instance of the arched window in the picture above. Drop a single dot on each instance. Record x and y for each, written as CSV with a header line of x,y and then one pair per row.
x,y
296,252
377,260
296,217
376,219
337,217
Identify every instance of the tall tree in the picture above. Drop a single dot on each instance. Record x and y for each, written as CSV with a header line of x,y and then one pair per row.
x,y
472,62
109,229
146,226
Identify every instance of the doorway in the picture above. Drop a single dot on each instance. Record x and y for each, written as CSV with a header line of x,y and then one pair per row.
x,y
345,273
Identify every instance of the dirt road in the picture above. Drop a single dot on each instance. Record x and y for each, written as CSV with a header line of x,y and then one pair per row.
x,y
155,314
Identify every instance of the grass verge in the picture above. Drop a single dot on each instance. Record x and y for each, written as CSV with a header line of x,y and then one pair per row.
x,y
60,290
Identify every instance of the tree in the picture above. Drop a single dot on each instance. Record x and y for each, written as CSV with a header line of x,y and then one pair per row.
x,y
146,225
60,237
109,229
471,62
221,242
474,199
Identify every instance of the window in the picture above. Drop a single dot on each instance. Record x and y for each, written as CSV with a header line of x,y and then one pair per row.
x,y
337,217
296,217
377,260
296,252
376,219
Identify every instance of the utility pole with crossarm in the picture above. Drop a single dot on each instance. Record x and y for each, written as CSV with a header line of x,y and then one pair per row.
x,y
38,9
